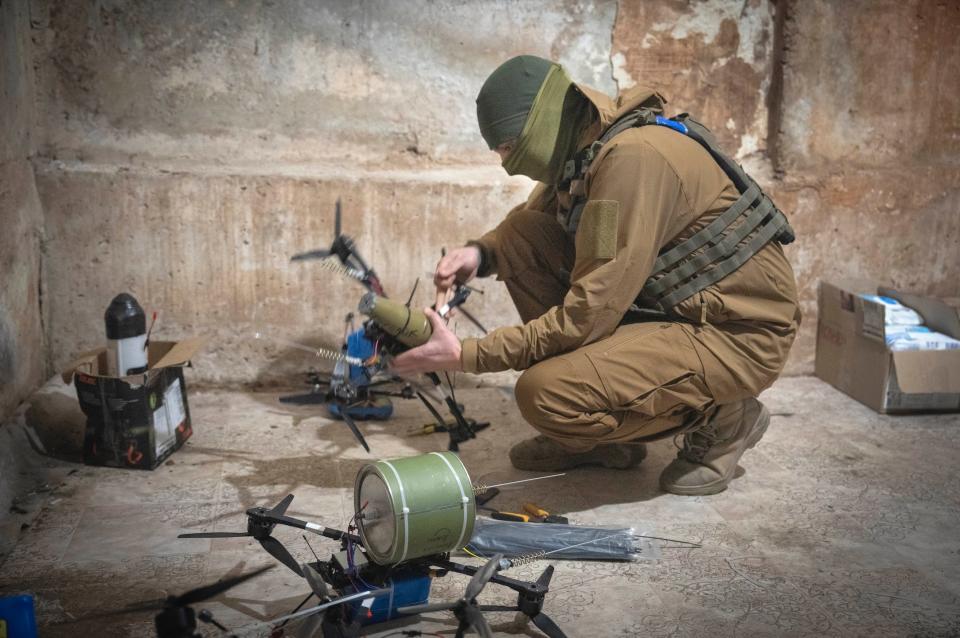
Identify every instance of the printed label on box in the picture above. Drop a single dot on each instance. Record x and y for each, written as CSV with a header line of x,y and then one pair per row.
x,y
168,417
163,434
173,400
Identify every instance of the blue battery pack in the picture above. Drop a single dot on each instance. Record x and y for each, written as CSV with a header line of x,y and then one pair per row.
x,y
405,588
16,617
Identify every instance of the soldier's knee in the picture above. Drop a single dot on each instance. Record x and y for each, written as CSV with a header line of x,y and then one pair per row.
x,y
536,394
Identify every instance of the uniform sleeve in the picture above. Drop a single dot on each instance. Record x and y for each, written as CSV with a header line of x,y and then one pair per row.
x,y
489,243
632,196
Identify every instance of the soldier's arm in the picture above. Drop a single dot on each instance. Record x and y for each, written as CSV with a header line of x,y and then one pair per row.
x,y
632,193
489,244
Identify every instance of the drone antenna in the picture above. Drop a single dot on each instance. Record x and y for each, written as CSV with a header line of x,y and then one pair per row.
x,y
410,298
311,547
481,488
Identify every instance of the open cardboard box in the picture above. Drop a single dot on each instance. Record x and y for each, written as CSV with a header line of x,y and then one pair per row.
x,y
138,420
852,354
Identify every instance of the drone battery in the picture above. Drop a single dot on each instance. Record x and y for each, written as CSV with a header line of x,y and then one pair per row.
x,y
406,588
134,421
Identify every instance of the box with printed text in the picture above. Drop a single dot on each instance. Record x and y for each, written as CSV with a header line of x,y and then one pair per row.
x,y
139,420
855,356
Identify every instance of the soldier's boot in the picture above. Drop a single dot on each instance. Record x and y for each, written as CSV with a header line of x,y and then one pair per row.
x,y
708,459
543,454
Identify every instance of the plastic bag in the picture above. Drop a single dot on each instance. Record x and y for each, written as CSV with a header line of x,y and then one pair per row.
x,y
571,542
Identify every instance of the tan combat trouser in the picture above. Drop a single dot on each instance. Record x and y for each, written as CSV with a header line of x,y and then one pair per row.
x,y
647,380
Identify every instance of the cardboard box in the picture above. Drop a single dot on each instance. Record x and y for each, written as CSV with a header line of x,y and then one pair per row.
x,y
852,354
139,420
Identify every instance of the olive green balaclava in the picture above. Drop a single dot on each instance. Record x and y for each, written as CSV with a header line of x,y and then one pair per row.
x,y
533,101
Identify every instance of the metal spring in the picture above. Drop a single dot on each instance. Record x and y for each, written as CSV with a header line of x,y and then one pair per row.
x,y
480,489
527,558
335,266
330,355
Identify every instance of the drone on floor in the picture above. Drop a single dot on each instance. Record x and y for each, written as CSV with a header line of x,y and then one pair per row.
x,y
409,514
353,591
360,387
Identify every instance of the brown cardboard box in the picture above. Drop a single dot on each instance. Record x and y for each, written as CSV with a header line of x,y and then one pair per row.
x,y
139,420
853,357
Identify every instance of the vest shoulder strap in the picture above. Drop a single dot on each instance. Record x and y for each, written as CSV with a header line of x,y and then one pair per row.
x,y
713,252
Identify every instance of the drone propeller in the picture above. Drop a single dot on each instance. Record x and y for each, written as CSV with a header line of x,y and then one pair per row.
x,y
260,523
353,427
198,595
276,549
337,219
314,623
321,253
466,609
532,606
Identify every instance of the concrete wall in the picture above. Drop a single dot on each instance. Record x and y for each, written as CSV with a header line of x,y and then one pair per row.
x,y
22,364
191,149
868,145
187,150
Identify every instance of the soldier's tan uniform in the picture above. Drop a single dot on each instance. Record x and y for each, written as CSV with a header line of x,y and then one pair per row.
x,y
592,373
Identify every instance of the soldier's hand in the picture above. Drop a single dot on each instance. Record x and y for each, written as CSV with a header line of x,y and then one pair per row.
x,y
459,265
441,352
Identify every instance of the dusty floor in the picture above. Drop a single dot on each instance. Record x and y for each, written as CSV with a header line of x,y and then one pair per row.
x,y
843,522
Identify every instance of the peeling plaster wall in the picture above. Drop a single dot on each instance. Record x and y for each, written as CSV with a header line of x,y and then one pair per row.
x,y
22,364
712,59
187,150
864,133
190,149
870,146
342,83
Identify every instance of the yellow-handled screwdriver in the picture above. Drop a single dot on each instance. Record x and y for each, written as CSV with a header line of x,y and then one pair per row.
x,y
535,510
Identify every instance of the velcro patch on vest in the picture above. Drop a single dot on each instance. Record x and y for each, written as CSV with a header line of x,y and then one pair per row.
x,y
597,233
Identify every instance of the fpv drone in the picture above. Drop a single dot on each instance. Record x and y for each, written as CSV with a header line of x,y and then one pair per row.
x,y
354,592
359,387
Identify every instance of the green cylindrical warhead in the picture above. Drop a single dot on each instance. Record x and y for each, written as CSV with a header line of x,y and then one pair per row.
x,y
409,326
413,507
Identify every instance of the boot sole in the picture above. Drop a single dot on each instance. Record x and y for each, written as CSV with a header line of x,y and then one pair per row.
x,y
759,429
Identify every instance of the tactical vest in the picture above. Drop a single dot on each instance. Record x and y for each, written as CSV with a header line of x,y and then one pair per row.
x,y
712,253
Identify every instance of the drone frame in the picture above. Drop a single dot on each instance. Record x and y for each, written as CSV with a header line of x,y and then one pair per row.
x,y
530,595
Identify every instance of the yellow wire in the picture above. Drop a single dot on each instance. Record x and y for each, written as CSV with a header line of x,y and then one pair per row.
x,y
471,553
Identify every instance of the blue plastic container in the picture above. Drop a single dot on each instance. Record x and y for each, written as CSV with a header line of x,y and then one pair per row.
x,y
16,617
406,589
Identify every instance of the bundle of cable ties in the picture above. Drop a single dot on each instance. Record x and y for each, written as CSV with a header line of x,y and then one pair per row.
x,y
554,540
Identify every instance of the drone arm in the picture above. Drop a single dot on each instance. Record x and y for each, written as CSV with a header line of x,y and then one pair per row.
x,y
319,530
518,586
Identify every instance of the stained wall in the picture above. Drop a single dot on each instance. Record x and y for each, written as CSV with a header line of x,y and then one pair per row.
x,y
184,152
22,354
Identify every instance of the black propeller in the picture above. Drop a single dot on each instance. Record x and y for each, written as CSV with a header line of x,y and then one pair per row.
x,y
353,427
176,618
530,603
466,609
260,523
313,624
324,253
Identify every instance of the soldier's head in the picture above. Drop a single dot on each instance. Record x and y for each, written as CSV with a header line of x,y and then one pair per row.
x,y
532,114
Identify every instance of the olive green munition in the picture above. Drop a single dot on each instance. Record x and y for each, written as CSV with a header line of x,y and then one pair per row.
x,y
413,507
409,326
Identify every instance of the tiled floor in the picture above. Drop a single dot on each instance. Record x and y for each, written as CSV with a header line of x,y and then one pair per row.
x,y
843,523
